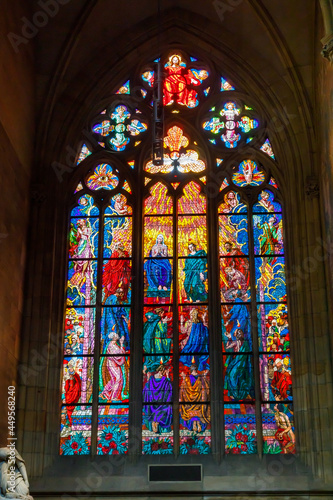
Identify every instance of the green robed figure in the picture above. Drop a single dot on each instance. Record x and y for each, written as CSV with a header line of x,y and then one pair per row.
x,y
195,271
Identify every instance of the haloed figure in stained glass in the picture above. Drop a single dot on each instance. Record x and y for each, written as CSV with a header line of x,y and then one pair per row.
x,y
176,83
158,268
195,271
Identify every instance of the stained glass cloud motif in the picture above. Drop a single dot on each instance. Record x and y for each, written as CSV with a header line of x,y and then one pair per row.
x,y
248,174
102,178
120,128
175,142
232,124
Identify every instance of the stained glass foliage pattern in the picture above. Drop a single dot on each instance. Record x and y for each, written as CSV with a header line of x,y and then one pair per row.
x,y
240,429
112,436
75,430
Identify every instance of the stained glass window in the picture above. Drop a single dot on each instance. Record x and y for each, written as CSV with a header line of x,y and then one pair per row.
x,y
196,339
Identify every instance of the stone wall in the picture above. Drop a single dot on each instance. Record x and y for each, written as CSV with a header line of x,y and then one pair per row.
x,y
16,150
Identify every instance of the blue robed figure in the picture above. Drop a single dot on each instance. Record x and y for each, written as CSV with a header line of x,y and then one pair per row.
x,y
116,319
195,271
158,268
197,342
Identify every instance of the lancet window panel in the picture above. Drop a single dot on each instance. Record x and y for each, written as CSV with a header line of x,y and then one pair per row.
x,y
203,321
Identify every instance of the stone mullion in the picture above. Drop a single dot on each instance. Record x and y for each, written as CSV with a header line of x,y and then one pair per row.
x,y
135,382
175,324
214,308
97,343
254,330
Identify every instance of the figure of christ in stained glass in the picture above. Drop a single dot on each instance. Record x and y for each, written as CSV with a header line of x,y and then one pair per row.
x,y
178,81
114,371
157,337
